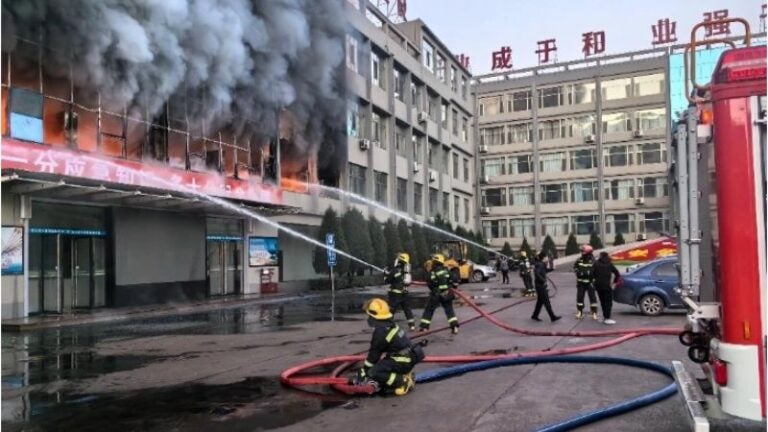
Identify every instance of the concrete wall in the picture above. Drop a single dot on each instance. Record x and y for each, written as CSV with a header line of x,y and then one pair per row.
x,y
297,255
159,256
13,286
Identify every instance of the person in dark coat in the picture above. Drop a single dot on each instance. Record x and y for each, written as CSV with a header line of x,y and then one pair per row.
x,y
602,270
540,270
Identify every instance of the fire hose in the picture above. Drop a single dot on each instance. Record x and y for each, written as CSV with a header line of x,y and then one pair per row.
x,y
288,377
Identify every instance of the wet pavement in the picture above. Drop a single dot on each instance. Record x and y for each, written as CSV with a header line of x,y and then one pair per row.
x,y
218,370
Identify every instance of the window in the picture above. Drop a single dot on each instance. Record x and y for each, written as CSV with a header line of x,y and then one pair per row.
x,y
376,69
399,80
649,85
418,143
464,87
616,156
555,226
521,101
583,159
456,166
454,84
428,55
491,106
432,155
520,133
520,164
492,136
440,65
554,193
466,210
492,167
583,126
619,223
552,162
455,208
617,122
650,153
585,224
553,129
464,129
26,115
446,160
433,106
584,191
495,229
455,122
417,96
402,193
444,115
381,187
446,206
616,89
379,131
433,201
418,199
401,147
357,179
496,197
521,195
352,53
654,222
521,228
582,93
620,189
654,187
665,270
466,170
651,119
550,97
353,120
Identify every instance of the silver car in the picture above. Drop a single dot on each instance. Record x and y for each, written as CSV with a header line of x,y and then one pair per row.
x,y
481,273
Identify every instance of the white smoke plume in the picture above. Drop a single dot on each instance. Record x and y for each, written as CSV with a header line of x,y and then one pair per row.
x,y
241,60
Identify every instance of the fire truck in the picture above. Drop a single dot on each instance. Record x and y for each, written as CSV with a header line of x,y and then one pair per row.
x,y
719,156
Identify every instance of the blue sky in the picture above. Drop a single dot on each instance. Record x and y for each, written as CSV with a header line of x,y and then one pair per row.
x,y
479,27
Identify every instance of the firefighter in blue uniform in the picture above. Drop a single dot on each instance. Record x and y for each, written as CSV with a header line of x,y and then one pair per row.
x,y
440,283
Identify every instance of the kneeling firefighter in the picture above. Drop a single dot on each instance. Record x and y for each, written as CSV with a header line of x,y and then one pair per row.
x,y
393,370
440,283
399,278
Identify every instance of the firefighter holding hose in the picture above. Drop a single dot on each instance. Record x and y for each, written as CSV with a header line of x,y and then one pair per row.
x,y
399,278
584,282
440,283
525,275
391,357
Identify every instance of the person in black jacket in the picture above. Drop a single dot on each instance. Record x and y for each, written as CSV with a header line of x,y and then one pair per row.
x,y
398,279
393,370
602,270
584,284
540,270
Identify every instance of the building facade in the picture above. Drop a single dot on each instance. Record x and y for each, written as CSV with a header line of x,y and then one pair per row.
x,y
577,147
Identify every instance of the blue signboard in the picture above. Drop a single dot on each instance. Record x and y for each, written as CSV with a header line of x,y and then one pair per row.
x,y
263,251
69,231
330,241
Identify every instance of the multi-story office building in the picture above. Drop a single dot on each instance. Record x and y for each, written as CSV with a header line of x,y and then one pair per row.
x,y
576,147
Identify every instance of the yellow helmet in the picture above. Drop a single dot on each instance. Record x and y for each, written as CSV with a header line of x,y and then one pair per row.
x,y
404,257
438,258
378,309
523,254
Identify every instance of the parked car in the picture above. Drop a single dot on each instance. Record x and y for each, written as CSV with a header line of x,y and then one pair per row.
x,y
481,273
651,287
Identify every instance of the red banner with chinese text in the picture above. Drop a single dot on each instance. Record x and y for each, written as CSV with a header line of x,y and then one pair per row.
x,y
661,247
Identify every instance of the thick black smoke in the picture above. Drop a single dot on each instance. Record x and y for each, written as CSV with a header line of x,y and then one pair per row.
x,y
246,59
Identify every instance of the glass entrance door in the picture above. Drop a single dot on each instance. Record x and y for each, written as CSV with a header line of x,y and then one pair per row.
x,y
233,256
215,273
224,267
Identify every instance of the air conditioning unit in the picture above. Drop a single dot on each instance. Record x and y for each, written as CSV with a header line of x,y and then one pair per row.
x,y
485,180
638,133
432,175
641,236
416,167
485,211
365,144
423,116
375,143
483,148
640,201
589,138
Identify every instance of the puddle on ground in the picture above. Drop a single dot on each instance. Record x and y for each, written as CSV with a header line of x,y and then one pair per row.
x,y
253,404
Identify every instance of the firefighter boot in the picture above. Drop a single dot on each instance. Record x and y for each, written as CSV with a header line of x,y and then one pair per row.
x,y
579,315
455,328
407,385
594,316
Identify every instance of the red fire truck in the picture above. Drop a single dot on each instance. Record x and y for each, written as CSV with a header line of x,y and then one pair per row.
x,y
719,173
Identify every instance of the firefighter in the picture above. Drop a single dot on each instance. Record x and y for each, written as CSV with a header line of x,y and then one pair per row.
x,y
540,271
440,283
602,270
399,278
525,274
393,370
583,269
